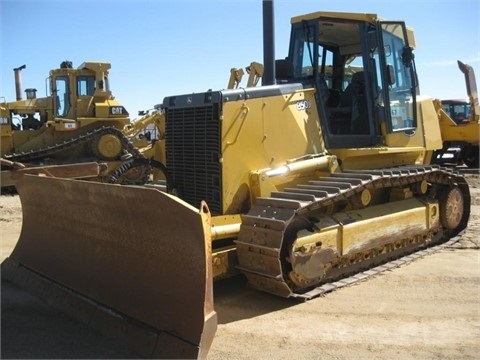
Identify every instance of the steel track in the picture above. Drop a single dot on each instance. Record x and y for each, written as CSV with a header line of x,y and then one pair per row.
x,y
47,151
89,136
262,248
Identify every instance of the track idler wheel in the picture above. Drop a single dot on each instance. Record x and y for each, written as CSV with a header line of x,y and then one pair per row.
x,y
107,147
451,207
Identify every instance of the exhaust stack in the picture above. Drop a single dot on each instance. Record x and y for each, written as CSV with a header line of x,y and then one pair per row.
x,y
18,81
268,43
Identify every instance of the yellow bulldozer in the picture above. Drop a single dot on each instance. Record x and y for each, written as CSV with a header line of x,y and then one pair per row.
x,y
295,184
460,125
79,121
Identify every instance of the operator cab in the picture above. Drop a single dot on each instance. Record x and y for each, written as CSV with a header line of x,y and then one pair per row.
x,y
363,71
74,90
458,110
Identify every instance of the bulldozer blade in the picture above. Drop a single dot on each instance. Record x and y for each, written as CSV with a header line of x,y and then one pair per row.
x,y
132,262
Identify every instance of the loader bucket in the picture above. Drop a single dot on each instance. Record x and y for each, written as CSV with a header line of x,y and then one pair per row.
x,y
131,261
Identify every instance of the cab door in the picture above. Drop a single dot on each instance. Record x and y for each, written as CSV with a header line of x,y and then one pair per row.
x,y
61,96
399,81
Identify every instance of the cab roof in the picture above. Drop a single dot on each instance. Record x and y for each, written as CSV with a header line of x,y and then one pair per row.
x,y
365,17
336,15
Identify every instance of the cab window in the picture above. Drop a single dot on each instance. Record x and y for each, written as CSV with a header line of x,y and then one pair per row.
x,y
401,85
85,85
62,96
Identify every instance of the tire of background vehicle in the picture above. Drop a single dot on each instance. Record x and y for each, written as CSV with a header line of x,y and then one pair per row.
x,y
471,159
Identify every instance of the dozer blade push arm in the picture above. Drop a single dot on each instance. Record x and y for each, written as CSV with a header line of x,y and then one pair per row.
x,y
15,170
130,261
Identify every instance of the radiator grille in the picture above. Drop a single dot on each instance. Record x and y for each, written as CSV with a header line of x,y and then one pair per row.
x,y
193,152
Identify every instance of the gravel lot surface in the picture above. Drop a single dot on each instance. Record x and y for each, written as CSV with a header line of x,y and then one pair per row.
x,y
427,309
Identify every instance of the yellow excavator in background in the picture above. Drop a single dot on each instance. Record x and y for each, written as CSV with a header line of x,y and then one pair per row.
x,y
80,121
460,126
295,184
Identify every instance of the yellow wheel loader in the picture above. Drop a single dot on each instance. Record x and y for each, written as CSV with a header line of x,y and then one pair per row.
x,y
460,126
79,121
295,184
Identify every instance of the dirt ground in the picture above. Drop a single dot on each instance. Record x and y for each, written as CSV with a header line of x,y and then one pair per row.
x,y
427,309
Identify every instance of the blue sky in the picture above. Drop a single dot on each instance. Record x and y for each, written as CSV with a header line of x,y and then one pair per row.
x,y
168,47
